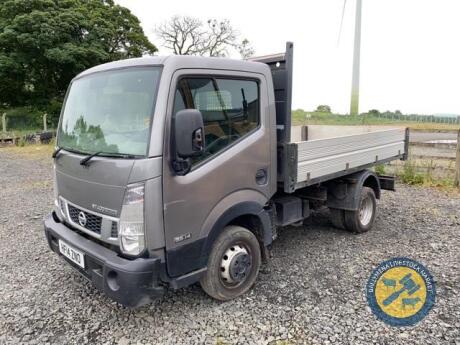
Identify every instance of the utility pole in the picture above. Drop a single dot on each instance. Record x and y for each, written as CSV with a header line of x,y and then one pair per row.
x,y
354,105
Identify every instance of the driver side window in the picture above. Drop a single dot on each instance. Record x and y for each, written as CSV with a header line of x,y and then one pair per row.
x,y
230,108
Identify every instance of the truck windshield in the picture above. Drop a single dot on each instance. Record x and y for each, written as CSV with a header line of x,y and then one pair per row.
x,y
110,112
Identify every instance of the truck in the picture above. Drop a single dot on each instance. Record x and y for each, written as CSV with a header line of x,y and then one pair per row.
x,y
169,171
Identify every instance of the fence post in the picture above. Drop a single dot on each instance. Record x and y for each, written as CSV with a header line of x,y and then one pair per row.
x,y
4,122
45,127
457,162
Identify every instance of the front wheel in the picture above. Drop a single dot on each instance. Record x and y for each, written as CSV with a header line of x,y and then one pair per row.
x,y
233,264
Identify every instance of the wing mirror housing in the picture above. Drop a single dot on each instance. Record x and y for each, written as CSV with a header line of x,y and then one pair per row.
x,y
189,133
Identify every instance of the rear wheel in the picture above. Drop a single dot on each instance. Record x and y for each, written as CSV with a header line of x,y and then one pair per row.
x,y
233,264
363,218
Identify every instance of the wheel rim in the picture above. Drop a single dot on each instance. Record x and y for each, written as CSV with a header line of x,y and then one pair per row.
x,y
366,211
236,265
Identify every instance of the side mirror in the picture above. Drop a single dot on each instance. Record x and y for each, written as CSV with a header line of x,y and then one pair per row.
x,y
189,133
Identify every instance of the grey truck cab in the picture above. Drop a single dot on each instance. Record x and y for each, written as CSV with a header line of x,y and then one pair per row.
x,y
174,170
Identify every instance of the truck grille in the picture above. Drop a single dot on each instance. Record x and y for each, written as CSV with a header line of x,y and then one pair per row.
x,y
93,222
100,226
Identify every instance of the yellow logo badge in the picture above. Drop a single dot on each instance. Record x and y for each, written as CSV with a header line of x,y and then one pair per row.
x,y
400,292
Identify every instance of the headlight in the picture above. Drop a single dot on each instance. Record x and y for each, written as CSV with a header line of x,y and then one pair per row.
x,y
132,238
62,207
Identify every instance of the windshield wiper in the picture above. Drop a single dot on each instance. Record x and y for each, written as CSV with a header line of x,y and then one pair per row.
x,y
56,152
85,160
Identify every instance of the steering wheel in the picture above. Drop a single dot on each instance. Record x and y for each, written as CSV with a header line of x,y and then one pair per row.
x,y
215,145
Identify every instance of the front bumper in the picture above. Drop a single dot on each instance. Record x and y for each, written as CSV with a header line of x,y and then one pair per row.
x,y
130,282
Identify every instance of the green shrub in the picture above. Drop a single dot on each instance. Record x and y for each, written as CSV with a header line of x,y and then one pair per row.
x,y
380,169
21,142
410,176
23,118
31,117
53,109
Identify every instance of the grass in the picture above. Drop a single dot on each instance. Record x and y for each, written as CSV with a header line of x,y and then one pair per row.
x,y
410,176
32,151
301,117
380,169
23,132
422,173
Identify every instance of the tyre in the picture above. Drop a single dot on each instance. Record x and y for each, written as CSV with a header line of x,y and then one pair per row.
x,y
361,220
337,218
233,264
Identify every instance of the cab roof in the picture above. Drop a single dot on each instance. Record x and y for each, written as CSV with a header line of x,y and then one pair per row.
x,y
182,61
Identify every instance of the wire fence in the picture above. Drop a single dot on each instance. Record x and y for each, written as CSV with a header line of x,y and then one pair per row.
x,y
449,120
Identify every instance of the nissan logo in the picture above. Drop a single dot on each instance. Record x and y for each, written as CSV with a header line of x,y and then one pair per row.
x,y
82,218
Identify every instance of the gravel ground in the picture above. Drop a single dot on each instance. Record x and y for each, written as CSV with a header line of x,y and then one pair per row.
x,y
311,293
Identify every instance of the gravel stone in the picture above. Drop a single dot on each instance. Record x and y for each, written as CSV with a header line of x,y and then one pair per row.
x,y
312,291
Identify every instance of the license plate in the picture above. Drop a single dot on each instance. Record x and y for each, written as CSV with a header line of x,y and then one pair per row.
x,y
72,254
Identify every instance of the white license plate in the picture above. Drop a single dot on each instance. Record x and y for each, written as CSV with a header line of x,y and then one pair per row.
x,y
72,254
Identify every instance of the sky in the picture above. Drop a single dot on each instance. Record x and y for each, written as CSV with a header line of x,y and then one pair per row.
x,y
410,49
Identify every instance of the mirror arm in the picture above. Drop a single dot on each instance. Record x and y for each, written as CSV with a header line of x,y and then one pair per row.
x,y
181,166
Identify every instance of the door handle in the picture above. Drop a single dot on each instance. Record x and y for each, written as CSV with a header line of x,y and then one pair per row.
x,y
261,177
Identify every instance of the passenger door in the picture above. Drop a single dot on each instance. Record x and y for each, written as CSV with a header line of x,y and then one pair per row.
x,y
236,156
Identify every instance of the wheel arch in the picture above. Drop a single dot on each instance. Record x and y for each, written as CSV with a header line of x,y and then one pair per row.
x,y
372,181
248,214
345,193
243,208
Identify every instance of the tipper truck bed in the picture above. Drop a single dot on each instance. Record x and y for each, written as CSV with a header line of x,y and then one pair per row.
x,y
332,151
176,170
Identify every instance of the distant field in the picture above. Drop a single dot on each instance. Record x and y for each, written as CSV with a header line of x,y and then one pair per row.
x,y
300,117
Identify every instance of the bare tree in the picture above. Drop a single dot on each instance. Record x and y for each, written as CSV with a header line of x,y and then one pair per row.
x,y
182,35
189,36
219,37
